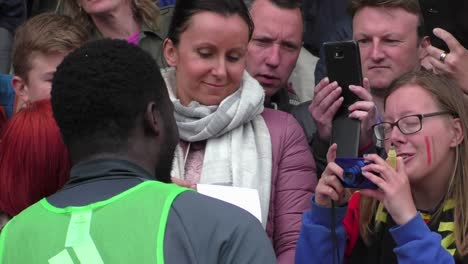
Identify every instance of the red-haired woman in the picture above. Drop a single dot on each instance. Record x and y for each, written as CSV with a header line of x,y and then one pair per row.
x,y
34,162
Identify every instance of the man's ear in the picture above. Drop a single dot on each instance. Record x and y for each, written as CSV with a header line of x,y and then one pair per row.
x,y
425,42
456,132
21,88
170,52
151,119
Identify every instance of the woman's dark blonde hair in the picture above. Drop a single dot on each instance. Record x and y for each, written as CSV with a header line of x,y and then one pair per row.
x,y
449,97
144,11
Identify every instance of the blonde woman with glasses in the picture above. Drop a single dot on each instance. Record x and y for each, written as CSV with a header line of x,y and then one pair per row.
x,y
418,213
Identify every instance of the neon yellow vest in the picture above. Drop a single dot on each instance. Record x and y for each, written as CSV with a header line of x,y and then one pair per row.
x,y
127,228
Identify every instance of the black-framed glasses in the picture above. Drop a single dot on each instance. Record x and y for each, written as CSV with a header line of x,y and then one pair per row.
x,y
407,125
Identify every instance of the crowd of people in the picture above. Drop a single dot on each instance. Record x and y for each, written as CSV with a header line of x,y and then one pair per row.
x,y
114,111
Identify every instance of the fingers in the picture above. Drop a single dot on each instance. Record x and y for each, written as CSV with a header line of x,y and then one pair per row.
x,y
382,174
361,92
438,66
426,64
374,158
449,39
366,84
434,52
335,187
324,106
400,165
321,85
377,180
326,96
183,183
361,107
333,108
331,153
329,187
364,111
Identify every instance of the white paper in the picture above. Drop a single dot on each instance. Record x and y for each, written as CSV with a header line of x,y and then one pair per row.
x,y
244,198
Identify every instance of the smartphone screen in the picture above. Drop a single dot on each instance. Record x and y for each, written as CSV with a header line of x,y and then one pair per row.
x,y
344,66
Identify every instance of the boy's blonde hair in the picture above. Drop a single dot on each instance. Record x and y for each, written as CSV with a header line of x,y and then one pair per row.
x,y
45,33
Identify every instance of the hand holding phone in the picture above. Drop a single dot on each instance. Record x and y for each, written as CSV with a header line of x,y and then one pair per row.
x,y
343,62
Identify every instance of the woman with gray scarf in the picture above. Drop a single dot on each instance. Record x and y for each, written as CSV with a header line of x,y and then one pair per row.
x,y
227,137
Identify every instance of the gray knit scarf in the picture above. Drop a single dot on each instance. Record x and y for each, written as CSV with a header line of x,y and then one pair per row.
x,y
238,148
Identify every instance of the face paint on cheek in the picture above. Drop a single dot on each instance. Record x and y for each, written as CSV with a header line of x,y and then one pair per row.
x,y
428,150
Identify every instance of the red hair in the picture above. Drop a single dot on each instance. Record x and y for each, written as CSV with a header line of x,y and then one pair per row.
x,y
3,118
34,162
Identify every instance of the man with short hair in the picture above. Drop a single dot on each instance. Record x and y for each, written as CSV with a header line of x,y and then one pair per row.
x,y
391,40
274,49
116,119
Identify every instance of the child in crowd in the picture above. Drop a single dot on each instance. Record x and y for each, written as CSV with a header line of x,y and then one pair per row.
x,y
39,46
34,161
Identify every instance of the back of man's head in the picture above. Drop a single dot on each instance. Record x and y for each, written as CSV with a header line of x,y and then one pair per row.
x,y
411,6
100,93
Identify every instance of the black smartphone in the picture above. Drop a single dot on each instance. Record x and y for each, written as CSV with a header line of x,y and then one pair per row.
x,y
343,63
346,133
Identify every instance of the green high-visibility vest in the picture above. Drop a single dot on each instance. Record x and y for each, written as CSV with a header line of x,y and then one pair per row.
x,y
127,228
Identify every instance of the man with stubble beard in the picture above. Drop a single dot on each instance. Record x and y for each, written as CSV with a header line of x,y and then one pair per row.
x,y
391,42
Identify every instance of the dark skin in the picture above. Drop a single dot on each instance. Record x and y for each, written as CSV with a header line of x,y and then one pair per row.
x,y
144,146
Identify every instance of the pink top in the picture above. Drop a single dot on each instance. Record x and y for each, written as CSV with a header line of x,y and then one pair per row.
x,y
133,39
194,160
293,179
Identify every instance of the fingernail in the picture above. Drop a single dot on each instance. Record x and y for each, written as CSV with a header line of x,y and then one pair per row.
x,y
365,155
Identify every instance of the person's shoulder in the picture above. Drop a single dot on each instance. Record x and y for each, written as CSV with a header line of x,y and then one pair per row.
x,y
206,230
279,121
165,17
6,86
7,93
199,206
165,11
273,115
301,109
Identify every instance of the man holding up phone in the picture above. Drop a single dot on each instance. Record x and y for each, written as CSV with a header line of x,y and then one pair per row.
x,y
391,42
